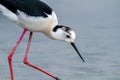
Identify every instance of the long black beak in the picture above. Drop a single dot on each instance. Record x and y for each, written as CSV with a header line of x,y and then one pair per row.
x,y
73,45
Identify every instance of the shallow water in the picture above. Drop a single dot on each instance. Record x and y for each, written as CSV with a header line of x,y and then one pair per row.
x,y
98,38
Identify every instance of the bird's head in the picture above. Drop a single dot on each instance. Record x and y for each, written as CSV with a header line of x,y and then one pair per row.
x,y
64,33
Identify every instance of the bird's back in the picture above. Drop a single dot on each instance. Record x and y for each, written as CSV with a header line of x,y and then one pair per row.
x,y
30,7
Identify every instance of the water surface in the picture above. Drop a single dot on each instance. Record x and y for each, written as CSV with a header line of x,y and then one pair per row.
x,y
97,27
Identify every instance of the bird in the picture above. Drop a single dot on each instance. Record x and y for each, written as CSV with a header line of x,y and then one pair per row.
x,y
35,16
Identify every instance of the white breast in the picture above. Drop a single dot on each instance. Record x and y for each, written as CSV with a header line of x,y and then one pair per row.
x,y
37,24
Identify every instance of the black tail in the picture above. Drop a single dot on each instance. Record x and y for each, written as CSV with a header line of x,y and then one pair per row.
x,y
9,5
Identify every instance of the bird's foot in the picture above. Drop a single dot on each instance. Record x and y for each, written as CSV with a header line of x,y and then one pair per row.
x,y
57,78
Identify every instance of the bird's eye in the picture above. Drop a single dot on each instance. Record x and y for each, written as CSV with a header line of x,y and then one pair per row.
x,y
67,36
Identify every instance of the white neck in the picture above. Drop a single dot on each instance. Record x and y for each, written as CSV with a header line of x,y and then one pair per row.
x,y
51,25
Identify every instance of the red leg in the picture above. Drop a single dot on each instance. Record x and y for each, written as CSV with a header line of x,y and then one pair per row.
x,y
12,53
31,65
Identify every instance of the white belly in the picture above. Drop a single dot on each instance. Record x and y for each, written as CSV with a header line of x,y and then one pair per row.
x,y
37,24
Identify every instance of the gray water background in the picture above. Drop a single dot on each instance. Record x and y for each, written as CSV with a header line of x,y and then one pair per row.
x,y
97,26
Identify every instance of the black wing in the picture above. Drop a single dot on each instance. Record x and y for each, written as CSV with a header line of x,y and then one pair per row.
x,y
30,7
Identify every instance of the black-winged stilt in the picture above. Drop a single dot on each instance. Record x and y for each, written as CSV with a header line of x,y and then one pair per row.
x,y
35,16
